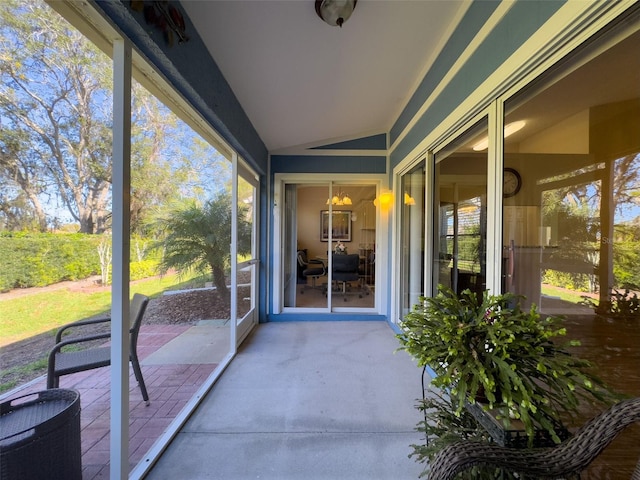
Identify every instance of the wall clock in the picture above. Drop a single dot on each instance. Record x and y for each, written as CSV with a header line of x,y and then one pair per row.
x,y
511,182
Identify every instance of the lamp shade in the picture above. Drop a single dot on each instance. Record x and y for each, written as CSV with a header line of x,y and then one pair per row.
x,y
384,200
408,199
335,12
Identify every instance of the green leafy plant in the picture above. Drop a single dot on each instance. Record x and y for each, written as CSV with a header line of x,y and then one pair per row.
x,y
490,346
442,427
623,304
197,238
39,259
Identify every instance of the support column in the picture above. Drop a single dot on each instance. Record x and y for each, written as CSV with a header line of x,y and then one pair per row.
x,y
119,437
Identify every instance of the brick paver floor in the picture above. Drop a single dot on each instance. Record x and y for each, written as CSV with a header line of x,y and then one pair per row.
x,y
170,387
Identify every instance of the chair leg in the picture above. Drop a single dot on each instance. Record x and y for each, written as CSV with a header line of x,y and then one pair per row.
x,y
53,381
138,374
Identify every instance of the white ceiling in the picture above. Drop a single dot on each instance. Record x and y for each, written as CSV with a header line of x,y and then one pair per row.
x,y
303,82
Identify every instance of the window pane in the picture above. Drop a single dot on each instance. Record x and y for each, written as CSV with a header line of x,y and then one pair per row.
x,y
572,227
460,216
412,218
571,234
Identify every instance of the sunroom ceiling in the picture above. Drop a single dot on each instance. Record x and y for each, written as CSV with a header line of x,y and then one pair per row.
x,y
303,82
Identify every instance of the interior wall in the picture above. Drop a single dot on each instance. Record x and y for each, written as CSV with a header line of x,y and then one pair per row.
x,y
614,128
312,200
569,136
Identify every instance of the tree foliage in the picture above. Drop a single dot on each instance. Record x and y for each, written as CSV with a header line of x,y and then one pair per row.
x,y
199,238
55,136
55,132
590,213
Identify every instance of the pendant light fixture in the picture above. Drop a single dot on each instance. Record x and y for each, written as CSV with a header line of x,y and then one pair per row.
x,y
340,200
335,12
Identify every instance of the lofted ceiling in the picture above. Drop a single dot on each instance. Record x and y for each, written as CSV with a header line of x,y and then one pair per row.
x,y
303,82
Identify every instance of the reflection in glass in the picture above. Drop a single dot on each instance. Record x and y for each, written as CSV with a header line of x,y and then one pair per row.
x,y
412,229
571,235
460,216
573,227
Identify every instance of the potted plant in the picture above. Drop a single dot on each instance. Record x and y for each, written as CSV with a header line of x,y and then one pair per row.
x,y
490,347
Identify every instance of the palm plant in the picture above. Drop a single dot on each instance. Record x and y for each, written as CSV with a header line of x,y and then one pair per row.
x,y
198,238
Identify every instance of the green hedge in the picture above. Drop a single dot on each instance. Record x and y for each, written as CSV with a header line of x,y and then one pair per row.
x,y
37,260
140,270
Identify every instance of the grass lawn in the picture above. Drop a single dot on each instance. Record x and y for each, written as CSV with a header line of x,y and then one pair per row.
x,y
562,293
30,315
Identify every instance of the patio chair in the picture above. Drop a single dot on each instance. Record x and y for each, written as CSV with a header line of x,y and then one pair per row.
x,y
561,461
345,270
312,269
67,362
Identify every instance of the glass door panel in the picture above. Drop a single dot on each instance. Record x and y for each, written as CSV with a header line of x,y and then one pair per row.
x,y
350,235
571,232
305,253
460,216
570,235
247,249
412,230
321,220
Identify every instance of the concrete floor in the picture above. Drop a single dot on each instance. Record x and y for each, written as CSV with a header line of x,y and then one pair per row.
x,y
307,400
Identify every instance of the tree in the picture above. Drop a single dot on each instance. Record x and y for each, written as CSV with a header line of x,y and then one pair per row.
x,y
16,213
199,238
589,216
158,164
56,123
55,136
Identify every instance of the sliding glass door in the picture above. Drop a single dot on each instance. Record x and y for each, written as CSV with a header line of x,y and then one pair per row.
x,y
460,213
246,286
328,245
412,236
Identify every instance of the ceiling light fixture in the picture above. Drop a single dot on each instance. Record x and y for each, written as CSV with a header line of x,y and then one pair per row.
x,y
340,199
335,12
508,130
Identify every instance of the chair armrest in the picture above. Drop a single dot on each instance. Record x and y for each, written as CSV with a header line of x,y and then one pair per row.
x,y
51,364
318,261
89,338
59,346
92,321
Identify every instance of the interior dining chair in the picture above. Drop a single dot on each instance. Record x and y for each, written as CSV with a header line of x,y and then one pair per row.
x,y
344,270
312,269
65,362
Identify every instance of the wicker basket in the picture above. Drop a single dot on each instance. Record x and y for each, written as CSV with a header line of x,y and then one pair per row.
x,y
40,436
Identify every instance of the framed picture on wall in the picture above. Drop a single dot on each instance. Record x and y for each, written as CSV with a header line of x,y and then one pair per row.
x,y
340,225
